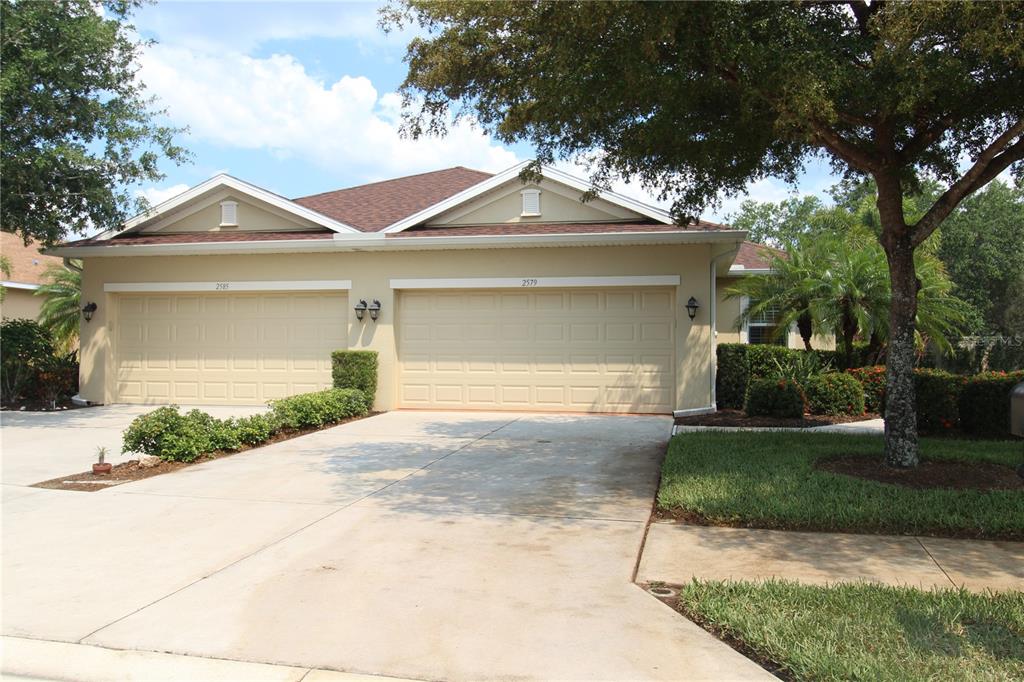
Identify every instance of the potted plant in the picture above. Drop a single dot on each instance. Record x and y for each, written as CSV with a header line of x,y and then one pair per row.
x,y
102,466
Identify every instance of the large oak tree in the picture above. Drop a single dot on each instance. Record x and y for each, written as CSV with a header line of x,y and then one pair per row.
x,y
700,99
77,127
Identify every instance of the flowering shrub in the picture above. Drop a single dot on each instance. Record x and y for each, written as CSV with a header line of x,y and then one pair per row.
x,y
834,393
872,380
774,398
985,403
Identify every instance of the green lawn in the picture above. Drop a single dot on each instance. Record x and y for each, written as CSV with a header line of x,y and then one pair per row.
x,y
866,632
768,480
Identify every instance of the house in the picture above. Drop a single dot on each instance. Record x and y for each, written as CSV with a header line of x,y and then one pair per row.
x,y
477,291
28,267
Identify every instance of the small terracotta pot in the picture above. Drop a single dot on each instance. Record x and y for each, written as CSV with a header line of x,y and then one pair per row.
x,y
102,468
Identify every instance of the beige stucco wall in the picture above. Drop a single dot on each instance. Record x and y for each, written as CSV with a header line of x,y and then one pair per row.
x,y
370,273
558,204
20,303
251,218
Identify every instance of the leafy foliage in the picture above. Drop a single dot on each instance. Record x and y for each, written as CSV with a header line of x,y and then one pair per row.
x,y
25,347
57,377
774,398
317,409
985,404
834,393
61,309
356,369
938,399
77,128
872,381
731,376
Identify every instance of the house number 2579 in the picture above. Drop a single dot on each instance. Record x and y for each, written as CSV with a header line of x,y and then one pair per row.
x,y
529,282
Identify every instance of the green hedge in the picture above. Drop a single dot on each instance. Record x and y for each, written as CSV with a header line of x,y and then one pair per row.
x,y
938,397
170,435
834,393
317,409
731,376
356,369
985,403
872,380
774,398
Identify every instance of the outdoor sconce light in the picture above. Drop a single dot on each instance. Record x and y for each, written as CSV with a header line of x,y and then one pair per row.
x,y
360,308
87,310
374,309
691,307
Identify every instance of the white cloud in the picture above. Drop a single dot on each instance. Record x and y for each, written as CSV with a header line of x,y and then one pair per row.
x,y
158,195
272,104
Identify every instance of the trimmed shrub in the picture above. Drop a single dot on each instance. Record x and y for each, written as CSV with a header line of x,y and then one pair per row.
x,y
985,403
56,378
731,376
253,430
938,395
765,361
834,393
170,435
356,369
316,409
774,398
872,381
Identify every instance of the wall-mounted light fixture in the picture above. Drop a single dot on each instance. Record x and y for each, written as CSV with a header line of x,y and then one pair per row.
x,y
374,309
691,307
360,308
87,311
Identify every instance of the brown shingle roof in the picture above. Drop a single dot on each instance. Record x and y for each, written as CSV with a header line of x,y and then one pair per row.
x,y
753,256
27,264
373,207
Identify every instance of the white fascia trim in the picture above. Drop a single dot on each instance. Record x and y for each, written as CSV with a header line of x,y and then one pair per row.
x,y
739,270
19,285
377,242
239,186
228,287
536,282
513,172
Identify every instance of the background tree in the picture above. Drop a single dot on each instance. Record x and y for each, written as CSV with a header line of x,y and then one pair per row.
x,y
5,270
777,224
61,309
700,99
77,129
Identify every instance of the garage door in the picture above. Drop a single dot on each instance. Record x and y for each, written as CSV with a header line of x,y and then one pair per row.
x,y
225,348
593,350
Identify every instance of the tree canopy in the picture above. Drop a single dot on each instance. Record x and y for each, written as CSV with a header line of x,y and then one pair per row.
x,y
700,99
77,128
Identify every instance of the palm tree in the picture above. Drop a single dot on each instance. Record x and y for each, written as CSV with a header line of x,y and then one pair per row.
x,y
60,311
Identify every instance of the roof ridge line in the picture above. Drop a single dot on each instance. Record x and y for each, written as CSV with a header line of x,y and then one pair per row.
x,y
401,177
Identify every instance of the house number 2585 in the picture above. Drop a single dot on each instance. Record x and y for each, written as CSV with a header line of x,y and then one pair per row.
x,y
529,282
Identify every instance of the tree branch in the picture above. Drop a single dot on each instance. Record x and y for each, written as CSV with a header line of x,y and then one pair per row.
x,y
921,140
996,158
843,148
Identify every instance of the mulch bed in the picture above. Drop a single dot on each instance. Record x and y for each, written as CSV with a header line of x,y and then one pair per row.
x,y
739,418
929,474
134,470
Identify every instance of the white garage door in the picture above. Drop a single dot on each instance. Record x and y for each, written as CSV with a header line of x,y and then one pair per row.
x,y
225,348
593,350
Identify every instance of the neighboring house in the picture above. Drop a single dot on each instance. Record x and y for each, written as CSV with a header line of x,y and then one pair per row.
x,y
27,269
754,259
492,295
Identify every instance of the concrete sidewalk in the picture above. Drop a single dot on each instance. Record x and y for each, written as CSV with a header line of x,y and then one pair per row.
x,y
676,553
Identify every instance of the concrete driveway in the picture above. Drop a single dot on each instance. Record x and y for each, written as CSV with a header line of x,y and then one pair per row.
x,y
449,546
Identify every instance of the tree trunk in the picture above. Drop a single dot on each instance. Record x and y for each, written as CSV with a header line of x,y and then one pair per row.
x,y
805,325
849,333
900,403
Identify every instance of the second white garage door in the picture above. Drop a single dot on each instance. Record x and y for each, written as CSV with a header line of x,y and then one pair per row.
x,y
592,350
225,348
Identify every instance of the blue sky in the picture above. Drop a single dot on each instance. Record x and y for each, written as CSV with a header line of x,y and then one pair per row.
x,y
300,98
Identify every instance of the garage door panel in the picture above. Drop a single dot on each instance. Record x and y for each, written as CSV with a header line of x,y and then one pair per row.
x,y
589,350
226,348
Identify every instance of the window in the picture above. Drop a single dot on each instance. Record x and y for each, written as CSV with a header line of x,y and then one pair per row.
x,y
228,213
761,328
531,202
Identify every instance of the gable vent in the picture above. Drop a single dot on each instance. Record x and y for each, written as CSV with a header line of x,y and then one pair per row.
x,y
531,202
229,214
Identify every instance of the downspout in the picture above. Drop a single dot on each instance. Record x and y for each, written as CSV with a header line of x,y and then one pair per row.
x,y
714,324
